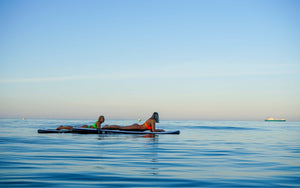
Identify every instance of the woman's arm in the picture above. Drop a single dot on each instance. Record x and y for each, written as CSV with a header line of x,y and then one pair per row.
x,y
153,127
98,124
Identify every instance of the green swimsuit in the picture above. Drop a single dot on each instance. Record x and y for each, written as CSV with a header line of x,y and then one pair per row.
x,y
94,125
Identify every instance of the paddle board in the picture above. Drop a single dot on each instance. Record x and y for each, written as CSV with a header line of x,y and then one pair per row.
x,y
54,131
102,131
107,131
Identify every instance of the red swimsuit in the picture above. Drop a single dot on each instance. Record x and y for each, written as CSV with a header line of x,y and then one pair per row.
x,y
147,126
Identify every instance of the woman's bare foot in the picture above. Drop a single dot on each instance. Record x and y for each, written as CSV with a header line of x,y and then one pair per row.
x,y
60,127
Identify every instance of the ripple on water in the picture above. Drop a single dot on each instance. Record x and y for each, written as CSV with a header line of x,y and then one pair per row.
x,y
208,154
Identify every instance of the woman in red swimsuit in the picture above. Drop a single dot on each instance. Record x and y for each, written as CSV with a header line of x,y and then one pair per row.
x,y
148,125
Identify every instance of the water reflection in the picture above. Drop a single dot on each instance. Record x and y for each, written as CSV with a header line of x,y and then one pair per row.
x,y
153,144
125,136
123,150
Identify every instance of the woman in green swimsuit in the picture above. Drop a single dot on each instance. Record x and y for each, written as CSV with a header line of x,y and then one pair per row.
x,y
96,125
148,125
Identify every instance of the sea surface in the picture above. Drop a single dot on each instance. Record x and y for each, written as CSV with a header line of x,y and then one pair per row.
x,y
205,154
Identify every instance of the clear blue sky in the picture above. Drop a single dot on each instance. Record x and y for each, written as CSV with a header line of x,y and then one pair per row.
x,y
186,59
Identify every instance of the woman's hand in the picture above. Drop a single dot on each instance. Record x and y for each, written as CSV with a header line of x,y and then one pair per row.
x,y
159,130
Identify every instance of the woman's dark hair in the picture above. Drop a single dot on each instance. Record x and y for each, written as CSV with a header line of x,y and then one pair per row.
x,y
155,116
100,118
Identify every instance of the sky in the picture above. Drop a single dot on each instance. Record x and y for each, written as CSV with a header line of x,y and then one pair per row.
x,y
125,59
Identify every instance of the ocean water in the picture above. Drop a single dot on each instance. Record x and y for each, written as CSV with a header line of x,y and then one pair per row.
x,y
205,154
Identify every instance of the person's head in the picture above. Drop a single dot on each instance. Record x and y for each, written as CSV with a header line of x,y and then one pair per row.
x,y
155,116
101,119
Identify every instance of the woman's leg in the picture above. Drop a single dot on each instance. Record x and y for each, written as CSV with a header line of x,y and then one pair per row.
x,y
64,127
84,126
117,127
134,127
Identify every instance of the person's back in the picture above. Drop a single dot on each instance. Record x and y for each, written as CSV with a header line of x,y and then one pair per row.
x,y
148,125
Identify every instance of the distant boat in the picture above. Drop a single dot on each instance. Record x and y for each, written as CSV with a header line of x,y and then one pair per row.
x,y
272,119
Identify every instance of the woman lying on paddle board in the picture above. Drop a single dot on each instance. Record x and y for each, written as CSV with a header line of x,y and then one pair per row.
x,y
148,125
96,125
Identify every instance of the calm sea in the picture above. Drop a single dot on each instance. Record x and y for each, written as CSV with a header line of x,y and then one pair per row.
x,y
205,154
